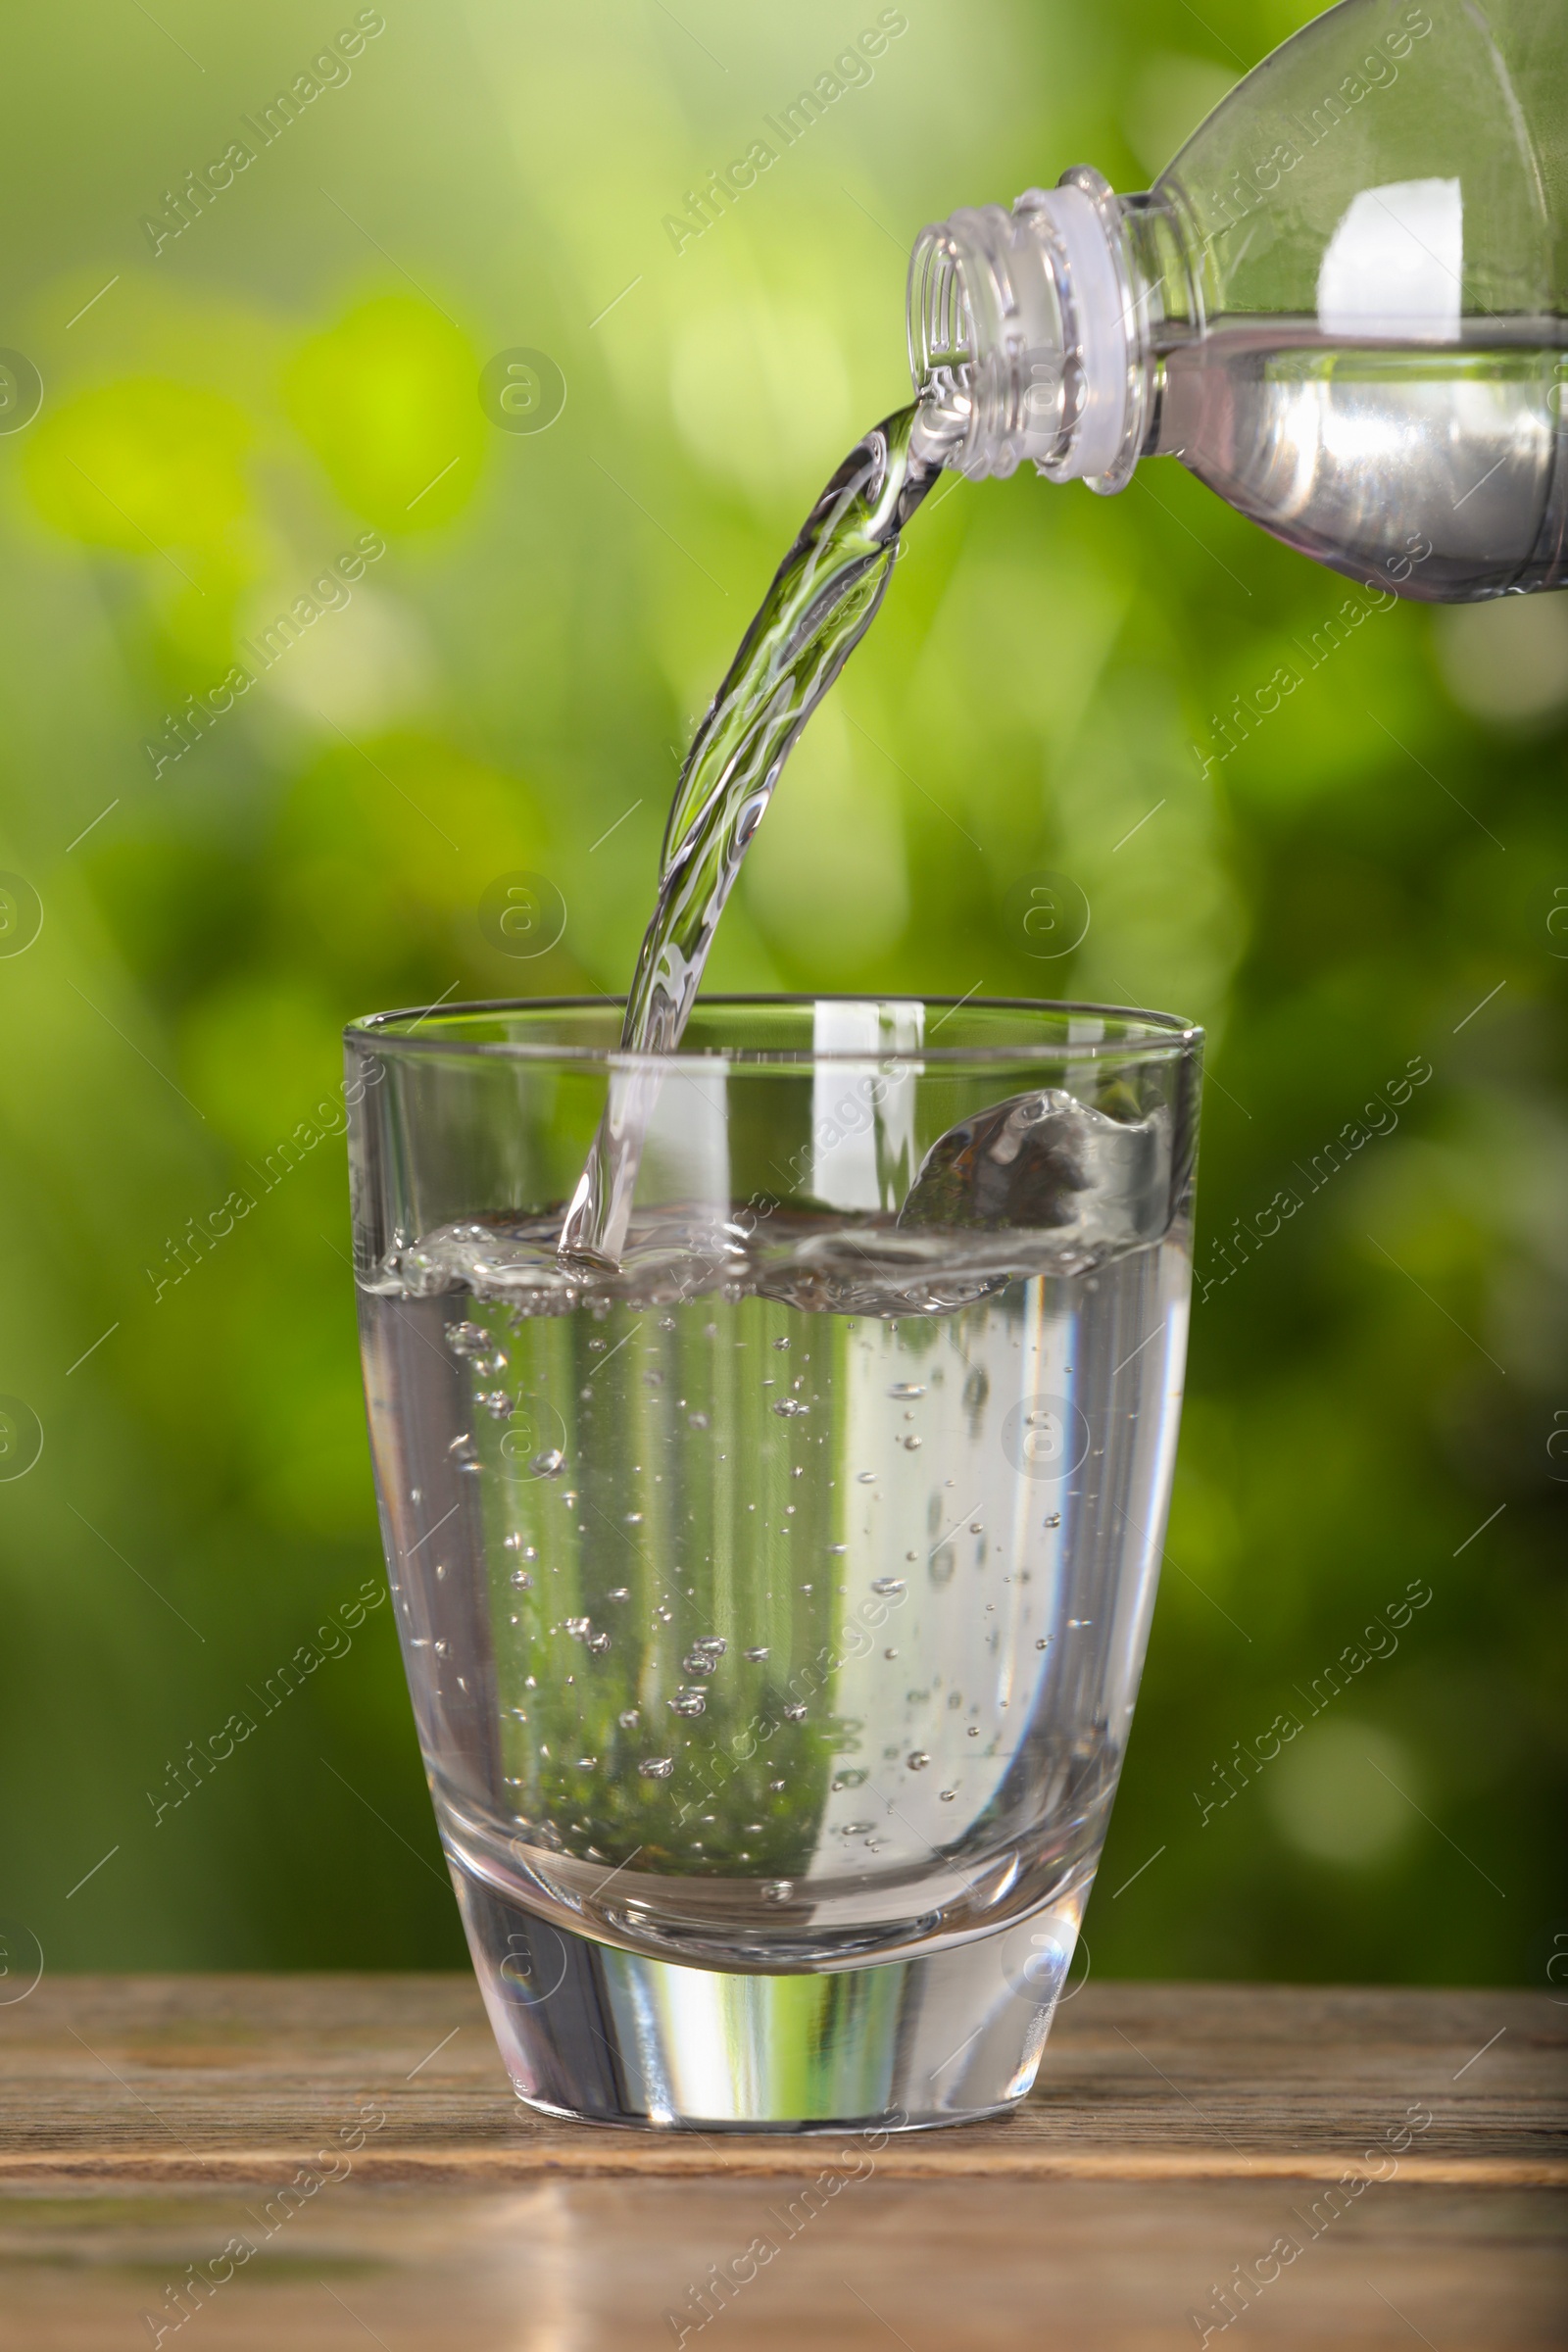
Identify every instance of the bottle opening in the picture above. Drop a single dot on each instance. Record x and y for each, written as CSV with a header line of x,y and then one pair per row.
x,y
1022,337
941,349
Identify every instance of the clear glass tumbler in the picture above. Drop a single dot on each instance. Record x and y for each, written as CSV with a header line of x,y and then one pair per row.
x,y
773,1605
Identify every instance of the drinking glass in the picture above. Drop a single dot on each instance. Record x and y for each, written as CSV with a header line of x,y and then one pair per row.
x,y
774,1602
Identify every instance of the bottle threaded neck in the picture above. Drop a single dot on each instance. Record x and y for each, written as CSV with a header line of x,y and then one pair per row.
x,y
1026,337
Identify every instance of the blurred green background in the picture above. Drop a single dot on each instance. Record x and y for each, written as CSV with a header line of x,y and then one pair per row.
x,y
1381,874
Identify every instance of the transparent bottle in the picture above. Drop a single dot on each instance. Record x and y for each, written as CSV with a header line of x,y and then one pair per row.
x,y
1344,306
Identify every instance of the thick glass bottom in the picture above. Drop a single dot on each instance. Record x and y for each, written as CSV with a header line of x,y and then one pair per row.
x,y
606,2036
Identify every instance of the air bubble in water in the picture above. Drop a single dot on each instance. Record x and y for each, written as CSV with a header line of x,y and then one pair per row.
x,y
908,1388
790,1408
865,1478
1054,1520
947,1796
698,1661
887,1584
1044,1642
777,1891
855,1777
918,1762
599,1644
697,1420
781,1345
912,1444
795,1711
688,1703
580,1628
753,1657
657,1768
629,1721
621,1592
547,1464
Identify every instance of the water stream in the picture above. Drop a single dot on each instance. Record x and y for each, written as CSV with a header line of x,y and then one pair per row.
x,y
820,604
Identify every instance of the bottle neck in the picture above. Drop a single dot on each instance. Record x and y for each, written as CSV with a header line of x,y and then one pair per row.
x,y
1032,332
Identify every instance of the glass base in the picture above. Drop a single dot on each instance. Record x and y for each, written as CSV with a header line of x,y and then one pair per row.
x,y
606,2036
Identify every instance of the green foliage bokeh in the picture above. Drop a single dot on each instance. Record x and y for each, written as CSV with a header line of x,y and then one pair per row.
x,y
1379,876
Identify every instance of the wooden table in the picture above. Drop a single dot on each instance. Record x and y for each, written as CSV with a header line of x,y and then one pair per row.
x,y
353,2143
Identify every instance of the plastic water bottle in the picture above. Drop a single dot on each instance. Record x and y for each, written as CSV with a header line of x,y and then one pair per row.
x,y
1342,306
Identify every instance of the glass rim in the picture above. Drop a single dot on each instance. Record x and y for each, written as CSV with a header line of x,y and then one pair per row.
x,y
1158,1036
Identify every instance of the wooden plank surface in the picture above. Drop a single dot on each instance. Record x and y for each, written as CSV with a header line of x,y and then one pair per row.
x,y
1176,2135
189,2077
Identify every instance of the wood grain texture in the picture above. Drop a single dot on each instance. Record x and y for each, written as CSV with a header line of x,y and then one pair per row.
x,y
1176,2133
175,2079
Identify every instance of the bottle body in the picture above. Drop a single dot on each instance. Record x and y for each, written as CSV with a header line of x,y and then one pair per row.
x,y
1342,305
1443,474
